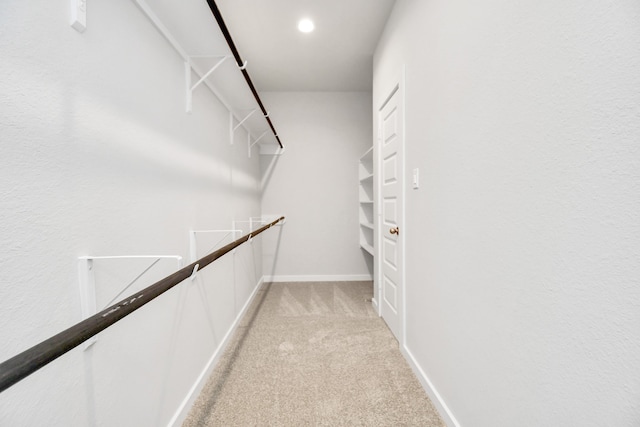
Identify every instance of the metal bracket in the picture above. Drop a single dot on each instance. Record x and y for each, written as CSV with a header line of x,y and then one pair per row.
x,y
266,219
79,15
189,87
193,255
88,285
271,150
195,271
250,221
251,144
233,128
244,119
255,221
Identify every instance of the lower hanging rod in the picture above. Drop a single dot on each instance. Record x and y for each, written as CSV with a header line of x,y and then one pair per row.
x,y
29,361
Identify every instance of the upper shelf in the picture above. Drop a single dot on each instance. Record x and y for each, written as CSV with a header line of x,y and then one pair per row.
x,y
190,27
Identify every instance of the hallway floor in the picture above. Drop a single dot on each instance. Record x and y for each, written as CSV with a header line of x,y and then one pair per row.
x,y
313,354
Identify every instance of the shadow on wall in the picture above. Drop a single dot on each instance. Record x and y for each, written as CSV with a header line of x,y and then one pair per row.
x,y
134,357
268,172
368,259
276,252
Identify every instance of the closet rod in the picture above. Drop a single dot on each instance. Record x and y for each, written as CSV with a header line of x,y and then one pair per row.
x,y
29,361
225,31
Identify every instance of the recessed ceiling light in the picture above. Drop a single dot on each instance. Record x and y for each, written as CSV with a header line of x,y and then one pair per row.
x,y
306,25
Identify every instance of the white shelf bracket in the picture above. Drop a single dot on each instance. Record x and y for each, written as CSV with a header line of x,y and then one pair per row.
x,y
195,271
244,119
271,150
190,67
193,250
189,87
79,15
260,221
266,219
250,222
257,221
233,128
87,282
251,144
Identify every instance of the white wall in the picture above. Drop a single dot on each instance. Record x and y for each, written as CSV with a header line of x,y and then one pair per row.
x,y
315,185
522,244
99,158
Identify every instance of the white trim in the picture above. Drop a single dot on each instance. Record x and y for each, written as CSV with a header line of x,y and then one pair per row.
x,y
374,304
319,278
184,408
407,228
444,411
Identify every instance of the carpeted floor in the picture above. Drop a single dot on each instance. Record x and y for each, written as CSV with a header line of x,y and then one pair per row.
x,y
313,354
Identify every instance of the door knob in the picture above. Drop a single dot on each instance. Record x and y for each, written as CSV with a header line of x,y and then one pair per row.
x,y
395,231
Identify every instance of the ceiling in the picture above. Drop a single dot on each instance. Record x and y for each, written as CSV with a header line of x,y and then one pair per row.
x,y
337,56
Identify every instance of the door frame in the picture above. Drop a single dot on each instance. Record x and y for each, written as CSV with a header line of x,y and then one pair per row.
x,y
393,87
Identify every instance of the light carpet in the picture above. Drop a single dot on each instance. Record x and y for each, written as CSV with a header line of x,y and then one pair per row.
x,y
313,354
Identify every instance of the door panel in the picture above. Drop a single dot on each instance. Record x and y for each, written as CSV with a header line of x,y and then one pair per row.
x,y
390,212
390,253
390,296
390,126
390,170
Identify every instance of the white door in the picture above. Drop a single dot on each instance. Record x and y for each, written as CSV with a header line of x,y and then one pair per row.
x,y
390,121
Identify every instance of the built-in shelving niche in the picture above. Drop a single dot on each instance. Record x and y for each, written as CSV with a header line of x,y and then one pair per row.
x,y
365,193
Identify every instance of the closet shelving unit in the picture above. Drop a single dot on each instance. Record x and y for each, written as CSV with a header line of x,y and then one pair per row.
x,y
191,29
365,175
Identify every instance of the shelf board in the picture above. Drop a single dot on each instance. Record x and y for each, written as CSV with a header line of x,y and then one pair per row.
x,y
366,225
366,178
367,248
365,174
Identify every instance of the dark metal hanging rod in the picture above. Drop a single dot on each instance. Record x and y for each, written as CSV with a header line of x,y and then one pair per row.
x,y
29,361
241,64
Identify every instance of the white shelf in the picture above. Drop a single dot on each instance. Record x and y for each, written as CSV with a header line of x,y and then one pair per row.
x,y
365,175
367,225
367,248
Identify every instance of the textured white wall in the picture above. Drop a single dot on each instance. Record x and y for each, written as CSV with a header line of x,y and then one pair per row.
x,y
99,158
523,281
315,183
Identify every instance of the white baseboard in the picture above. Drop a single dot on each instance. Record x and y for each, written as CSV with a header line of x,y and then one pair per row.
x,y
183,410
435,397
319,278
